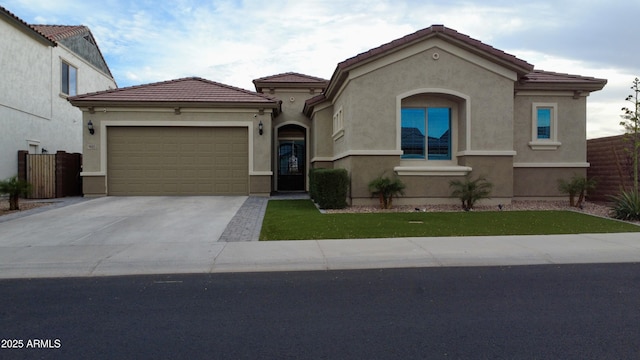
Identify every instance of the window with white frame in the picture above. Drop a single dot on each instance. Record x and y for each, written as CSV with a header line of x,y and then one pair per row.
x,y
338,124
69,79
544,126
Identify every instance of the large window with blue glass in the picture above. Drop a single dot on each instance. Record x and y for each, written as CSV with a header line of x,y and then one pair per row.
x,y
426,133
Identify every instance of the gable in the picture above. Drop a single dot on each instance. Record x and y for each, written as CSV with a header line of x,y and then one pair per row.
x,y
290,80
79,40
422,40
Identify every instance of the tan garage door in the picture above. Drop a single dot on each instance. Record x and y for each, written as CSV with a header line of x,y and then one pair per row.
x,y
177,161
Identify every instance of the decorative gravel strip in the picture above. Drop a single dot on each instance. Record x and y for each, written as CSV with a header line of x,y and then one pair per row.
x,y
587,208
24,205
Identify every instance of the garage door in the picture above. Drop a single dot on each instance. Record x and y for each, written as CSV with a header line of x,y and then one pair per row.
x,y
177,161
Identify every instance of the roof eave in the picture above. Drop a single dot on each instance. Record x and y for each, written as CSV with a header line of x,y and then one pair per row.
x,y
28,29
563,86
310,104
172,104
259,85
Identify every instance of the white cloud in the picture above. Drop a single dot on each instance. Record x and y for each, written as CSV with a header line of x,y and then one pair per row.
x,y
234,41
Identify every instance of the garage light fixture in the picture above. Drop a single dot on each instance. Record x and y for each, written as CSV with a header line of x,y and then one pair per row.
x,y
90,127
260,128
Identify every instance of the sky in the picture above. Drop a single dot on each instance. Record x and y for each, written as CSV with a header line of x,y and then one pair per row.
x,y
236,41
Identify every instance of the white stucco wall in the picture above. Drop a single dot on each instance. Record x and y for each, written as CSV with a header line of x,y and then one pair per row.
x,y
32,109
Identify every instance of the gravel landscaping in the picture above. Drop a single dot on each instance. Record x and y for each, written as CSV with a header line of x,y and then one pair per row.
x,y
587,208
24,205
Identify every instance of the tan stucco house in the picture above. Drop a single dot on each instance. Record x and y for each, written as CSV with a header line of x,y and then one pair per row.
x,y
430,107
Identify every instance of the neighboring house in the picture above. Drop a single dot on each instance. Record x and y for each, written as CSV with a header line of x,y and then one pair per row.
x,y
40,66
430,107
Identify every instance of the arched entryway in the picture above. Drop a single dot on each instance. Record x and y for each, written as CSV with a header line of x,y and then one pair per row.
x,y
291,158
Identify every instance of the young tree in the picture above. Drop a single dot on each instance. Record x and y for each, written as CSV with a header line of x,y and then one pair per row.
x,y
631,124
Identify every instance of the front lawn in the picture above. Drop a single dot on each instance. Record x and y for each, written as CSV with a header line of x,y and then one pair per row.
x,y
300,220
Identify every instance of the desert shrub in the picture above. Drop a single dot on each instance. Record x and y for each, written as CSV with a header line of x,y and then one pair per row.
x,y
578,185
15,188
626,206
470,191
386,188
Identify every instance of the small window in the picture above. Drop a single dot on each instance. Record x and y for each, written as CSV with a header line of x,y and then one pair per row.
x,y
435,122
338,125
544,128
544,123
69,79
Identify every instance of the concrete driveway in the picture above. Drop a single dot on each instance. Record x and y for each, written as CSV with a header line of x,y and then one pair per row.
x,y
118,235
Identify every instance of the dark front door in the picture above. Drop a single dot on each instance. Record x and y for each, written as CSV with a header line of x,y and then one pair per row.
x,y
291,161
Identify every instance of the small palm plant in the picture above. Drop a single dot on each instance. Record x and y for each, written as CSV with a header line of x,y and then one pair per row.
x,y
386,188
15,188
470,191
577,186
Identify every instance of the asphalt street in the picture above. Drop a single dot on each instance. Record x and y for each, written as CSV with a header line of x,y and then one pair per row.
x,y
521,312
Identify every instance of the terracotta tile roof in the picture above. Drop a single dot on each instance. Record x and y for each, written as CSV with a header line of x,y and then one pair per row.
x,y
290,80
16,20
291,77
60,32
540,79
192,90
437,31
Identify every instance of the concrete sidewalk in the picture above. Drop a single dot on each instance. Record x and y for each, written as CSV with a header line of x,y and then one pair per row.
x,y
168,258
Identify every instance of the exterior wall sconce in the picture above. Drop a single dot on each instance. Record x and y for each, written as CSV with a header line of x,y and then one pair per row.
x,y
90,127
260,128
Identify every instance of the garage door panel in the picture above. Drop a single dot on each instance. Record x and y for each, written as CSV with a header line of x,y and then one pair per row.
x,y
177,161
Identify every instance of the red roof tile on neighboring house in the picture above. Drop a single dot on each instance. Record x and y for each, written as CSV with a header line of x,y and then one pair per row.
x,y
59,32
21,23
192,90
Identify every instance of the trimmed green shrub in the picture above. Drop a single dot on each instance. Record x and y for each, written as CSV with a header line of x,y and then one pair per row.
x,y
330,187
626,206
313,189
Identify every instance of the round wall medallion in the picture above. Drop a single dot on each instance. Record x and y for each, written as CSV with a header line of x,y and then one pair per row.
x,y
435,56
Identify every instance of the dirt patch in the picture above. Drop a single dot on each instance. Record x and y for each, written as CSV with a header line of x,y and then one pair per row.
x,y
24,205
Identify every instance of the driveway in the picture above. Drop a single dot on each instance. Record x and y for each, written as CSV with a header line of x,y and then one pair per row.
x,y
127,235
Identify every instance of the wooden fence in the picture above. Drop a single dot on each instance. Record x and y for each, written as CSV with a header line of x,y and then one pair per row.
x,y
611,166
51,175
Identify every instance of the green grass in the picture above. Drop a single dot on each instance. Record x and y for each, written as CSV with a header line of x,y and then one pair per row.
x,y
300,220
